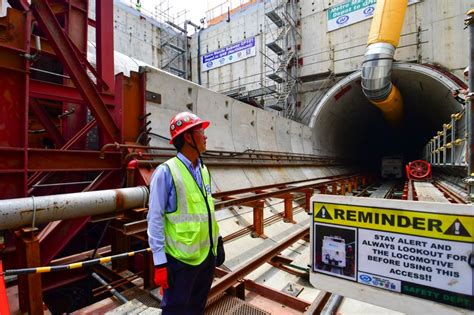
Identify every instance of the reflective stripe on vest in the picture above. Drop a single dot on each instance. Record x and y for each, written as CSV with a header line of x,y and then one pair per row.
x,y
187,229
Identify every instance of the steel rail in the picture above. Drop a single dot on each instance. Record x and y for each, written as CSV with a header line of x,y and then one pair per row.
x,y
140,225
211,152
263,187
251,163
260,157
265,195
224,283
449,194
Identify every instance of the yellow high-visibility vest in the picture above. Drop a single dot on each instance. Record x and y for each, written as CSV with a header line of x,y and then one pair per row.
x,y
187,229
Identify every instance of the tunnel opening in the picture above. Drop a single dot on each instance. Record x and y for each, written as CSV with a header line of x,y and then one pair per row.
x,y
346,125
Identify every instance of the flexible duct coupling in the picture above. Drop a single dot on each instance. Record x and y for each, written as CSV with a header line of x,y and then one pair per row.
x,y
377,70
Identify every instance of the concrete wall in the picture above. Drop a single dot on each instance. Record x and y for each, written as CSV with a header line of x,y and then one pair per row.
x,y
249,72
135,34
433,32
235,127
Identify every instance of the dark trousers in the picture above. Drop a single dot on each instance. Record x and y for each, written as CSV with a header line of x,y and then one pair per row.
x,y
189,286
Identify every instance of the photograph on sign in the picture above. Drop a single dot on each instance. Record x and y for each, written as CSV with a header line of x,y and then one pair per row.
x,y
335,248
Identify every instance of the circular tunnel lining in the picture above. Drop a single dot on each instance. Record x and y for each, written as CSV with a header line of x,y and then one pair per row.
x,y
345,124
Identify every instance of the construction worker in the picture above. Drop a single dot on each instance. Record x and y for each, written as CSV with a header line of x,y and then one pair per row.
x,y
182,229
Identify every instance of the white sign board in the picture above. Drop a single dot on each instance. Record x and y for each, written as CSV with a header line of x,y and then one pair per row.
x,y
351,12
418,249
230,54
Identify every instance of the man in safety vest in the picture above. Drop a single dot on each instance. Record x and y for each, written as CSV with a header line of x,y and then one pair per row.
x,y
182,229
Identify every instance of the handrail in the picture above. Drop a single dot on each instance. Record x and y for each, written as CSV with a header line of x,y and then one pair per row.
x,y
448,146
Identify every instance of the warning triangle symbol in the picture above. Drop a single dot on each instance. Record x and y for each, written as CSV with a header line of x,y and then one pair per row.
x,y
457,229
323,213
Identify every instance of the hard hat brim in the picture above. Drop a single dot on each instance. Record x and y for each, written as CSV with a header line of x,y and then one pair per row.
x,y
203,123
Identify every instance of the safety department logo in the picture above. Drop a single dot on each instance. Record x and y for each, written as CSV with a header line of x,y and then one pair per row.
x,y
365,278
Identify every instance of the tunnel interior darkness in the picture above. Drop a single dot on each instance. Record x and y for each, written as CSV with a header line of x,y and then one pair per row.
x,y
345,124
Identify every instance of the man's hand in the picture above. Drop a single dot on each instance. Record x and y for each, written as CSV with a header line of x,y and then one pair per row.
x,y
220,258
161,276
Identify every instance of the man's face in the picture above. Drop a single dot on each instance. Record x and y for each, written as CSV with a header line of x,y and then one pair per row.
x,y
200,138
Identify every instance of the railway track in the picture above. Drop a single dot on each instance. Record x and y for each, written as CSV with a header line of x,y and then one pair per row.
x,y
231,286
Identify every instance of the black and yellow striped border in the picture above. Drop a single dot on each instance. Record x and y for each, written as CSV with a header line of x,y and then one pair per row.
x,y
76,265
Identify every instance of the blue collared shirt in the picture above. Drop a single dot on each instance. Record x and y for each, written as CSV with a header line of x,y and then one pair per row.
x,y
163,199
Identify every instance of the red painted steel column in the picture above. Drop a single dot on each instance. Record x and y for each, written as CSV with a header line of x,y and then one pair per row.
x,y
258,219
308,194
4,308
14,77
349,186
289,208
322,190
343,187
105,42
30,293
64,50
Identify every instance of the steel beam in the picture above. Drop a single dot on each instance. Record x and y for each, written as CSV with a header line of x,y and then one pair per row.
x,y
62,93
57,236
64,49
42,114
71,160
105,42
29,286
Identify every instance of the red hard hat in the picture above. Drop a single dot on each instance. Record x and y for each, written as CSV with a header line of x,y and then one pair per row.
x,y
185,121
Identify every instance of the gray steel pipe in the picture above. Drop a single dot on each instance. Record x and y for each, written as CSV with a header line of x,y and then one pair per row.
x,y
377,71
15,213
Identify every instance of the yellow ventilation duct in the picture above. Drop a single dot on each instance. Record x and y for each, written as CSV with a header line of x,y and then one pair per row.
x,y
377,65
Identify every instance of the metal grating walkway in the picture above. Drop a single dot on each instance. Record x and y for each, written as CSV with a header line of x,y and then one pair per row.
x,y
231,305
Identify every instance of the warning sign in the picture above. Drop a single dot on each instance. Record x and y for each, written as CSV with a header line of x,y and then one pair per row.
x,y
426,254
433,225
418,261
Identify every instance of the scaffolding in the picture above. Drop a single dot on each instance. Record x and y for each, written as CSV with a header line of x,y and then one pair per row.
x,y
174,49
173,43
281,55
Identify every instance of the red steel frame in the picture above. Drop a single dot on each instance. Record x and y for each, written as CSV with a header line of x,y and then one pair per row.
x,y
29,103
